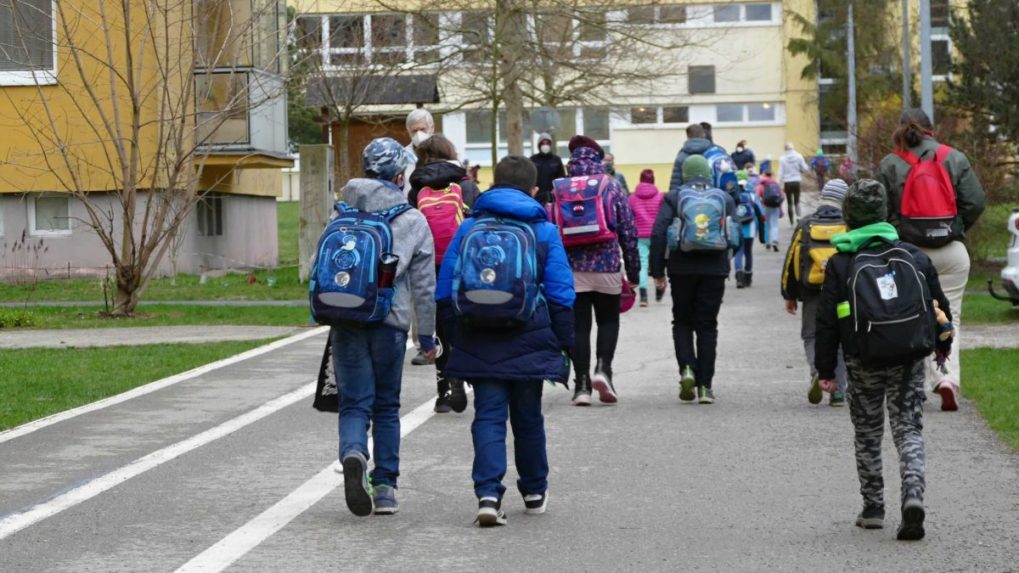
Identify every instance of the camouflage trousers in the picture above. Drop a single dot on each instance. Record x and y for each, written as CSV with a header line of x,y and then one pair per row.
x,y
902,388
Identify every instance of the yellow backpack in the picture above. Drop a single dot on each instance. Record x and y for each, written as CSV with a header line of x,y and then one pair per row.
x,y
814,250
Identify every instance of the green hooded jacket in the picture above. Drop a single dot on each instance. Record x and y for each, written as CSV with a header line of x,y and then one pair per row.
x,y
853,241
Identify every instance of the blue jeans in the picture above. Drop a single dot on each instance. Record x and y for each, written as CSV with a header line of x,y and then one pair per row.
x,y
369,372
745,254
494,401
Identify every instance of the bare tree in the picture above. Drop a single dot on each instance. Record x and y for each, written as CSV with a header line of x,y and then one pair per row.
x,y
151,119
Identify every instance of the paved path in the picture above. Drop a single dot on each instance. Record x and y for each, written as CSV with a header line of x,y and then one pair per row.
x,y
760,481
138,335
989,335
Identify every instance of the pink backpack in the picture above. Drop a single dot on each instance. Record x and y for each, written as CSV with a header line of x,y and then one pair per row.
x,y
444,211
582,210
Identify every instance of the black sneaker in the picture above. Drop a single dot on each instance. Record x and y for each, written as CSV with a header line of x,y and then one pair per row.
x,y
356,487
490,512
601,382
659,294
535,503
457,395
582,391
442,402
911,528
871,518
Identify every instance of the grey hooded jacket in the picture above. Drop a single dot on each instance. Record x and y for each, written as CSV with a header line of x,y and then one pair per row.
x,y
412,242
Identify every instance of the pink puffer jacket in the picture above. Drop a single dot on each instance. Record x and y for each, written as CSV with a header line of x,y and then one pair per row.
x,y
644,203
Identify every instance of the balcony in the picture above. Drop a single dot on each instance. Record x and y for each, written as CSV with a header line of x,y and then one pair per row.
x,y
241,113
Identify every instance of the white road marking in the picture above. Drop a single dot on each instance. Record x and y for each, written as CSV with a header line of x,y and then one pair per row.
x,y
154,386
235,545
18,521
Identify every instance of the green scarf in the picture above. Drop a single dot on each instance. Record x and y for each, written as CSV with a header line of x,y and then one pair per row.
x,y
853,241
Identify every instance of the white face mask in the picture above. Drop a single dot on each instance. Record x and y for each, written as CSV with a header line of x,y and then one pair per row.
x,y
545,148
419,137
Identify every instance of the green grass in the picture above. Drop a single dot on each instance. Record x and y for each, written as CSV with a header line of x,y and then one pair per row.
x,y
187,287
992,384
169,315
989,237
287,217
38,382
980,308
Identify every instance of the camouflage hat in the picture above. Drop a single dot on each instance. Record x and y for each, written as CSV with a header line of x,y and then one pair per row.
x,y
384,158
866,203
696,166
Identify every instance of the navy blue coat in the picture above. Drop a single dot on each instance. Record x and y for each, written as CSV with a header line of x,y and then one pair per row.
x,y
534,351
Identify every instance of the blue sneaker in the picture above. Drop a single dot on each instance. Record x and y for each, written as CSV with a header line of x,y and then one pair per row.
x,y
356,487
385,500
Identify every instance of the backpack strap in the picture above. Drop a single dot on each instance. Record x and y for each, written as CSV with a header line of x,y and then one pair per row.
x,y
394,212
908,156
942,153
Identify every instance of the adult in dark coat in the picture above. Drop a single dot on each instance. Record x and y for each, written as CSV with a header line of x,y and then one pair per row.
x,y
550,167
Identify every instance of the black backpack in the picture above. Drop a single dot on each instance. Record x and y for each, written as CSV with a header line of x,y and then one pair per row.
x,y
892,311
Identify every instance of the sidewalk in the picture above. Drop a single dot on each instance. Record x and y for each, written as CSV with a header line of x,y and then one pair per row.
x,y
990,335
135,336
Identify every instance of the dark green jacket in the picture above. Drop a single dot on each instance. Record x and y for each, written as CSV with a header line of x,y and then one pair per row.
x,y
969,195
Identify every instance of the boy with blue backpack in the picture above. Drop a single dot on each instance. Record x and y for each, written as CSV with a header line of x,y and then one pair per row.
x,y
692,240
374,262
750,218
505,291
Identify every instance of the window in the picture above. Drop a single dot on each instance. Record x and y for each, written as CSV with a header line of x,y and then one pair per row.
x,y
726,12
308,32
729,112
1,220
941,57
48,215
346,31
758,12
596,123
222,108
26,41
671,14
760,112
476,31
940,13
642,115
210,216
479,126
676,114
591,27
267,30
701,79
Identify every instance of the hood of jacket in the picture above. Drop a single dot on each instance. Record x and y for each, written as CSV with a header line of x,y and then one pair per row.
x,y
696,146
853,241
372,195
437,175
646,190
510,202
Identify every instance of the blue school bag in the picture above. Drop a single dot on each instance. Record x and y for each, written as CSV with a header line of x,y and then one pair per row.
x,y
701,224
496,278
746,210
723,172
344,286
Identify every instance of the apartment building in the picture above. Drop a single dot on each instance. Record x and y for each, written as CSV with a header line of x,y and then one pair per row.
x,y
210,69
735,74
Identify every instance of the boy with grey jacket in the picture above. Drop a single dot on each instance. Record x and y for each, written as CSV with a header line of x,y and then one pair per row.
x,y
369,359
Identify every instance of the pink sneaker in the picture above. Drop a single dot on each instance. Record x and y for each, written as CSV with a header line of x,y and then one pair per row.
x,y
949,391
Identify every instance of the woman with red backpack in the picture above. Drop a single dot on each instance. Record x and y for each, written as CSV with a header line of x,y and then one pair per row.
x,y
934,198
442,191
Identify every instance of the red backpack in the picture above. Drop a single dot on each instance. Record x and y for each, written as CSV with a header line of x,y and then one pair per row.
x,y
927,209
444,210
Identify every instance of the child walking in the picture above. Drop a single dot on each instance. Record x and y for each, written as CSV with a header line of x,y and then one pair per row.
x,y
511,331
644,203
877,303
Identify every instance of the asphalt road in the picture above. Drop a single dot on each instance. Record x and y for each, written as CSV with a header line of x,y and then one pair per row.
x,y
759,481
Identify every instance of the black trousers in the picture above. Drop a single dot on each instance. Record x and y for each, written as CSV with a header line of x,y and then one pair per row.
x,y
605,310
696,301
792,193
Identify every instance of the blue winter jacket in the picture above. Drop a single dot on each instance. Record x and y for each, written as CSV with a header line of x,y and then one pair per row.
x,y
535,350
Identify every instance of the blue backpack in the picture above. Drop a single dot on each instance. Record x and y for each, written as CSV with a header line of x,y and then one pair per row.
x,y
497,275
701,224
723,172
746,210
344,286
